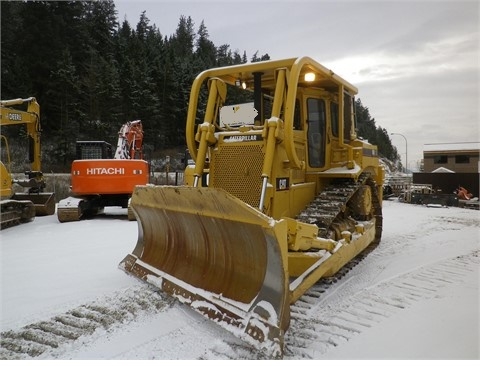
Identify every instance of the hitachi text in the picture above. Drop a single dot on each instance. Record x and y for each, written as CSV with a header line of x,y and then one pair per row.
x,y
106,171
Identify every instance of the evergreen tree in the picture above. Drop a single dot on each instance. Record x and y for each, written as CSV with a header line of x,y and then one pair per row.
x,y
66,109
14,69
224,55
244,58
256,58
183,40
206,52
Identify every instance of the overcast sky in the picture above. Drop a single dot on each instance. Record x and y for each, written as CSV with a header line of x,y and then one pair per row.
x,y
416,63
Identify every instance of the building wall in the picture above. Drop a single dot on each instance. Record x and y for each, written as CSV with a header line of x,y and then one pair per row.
x,y
459,162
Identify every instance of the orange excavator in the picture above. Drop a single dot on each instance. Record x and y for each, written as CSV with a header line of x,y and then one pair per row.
x,y
99,181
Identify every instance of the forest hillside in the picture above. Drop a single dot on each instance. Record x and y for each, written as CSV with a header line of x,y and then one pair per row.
x,y
91,73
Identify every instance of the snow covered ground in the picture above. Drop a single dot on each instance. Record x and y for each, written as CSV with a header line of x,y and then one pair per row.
x,y
416,296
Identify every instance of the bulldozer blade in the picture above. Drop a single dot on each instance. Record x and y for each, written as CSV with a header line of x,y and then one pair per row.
x,y
217,254
44,202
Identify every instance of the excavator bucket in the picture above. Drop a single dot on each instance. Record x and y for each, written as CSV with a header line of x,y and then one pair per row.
x,y
217,254
44,202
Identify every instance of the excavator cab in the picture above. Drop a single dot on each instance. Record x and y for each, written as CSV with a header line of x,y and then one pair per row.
x,y
93,150
281,194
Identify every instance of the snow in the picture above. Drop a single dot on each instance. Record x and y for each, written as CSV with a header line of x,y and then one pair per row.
x,y
416,296
452,146
442,170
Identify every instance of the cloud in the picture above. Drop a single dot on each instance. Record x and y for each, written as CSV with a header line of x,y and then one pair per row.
x,y
453,53
416,63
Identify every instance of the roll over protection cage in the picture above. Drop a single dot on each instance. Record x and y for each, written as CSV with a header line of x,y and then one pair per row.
x,y
293,68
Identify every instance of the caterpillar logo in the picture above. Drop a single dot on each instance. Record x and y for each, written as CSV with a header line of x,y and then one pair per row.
x,y
242,138
105,171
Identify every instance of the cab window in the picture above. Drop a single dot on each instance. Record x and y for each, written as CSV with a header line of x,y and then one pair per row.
x,y
316,132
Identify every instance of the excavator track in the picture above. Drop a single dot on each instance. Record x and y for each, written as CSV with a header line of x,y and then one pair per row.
x,y
67,215
69,209
15,212
76,208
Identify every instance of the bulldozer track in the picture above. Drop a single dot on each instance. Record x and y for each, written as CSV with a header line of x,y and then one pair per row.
x,y
44,337
333,200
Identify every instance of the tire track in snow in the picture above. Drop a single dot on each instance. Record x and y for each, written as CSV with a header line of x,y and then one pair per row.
x,y
45,337
324,326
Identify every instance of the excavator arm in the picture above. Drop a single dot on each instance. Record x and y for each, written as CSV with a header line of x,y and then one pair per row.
x,y
130,141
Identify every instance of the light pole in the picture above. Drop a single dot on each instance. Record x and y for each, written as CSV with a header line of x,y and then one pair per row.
x,y
406,150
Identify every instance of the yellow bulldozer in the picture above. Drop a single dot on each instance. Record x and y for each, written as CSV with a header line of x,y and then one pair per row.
x,y
282,194
19,207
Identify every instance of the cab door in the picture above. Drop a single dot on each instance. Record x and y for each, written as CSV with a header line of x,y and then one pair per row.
x,y
316,132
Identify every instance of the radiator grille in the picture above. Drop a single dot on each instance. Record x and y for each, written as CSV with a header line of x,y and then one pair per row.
x,y
238,170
